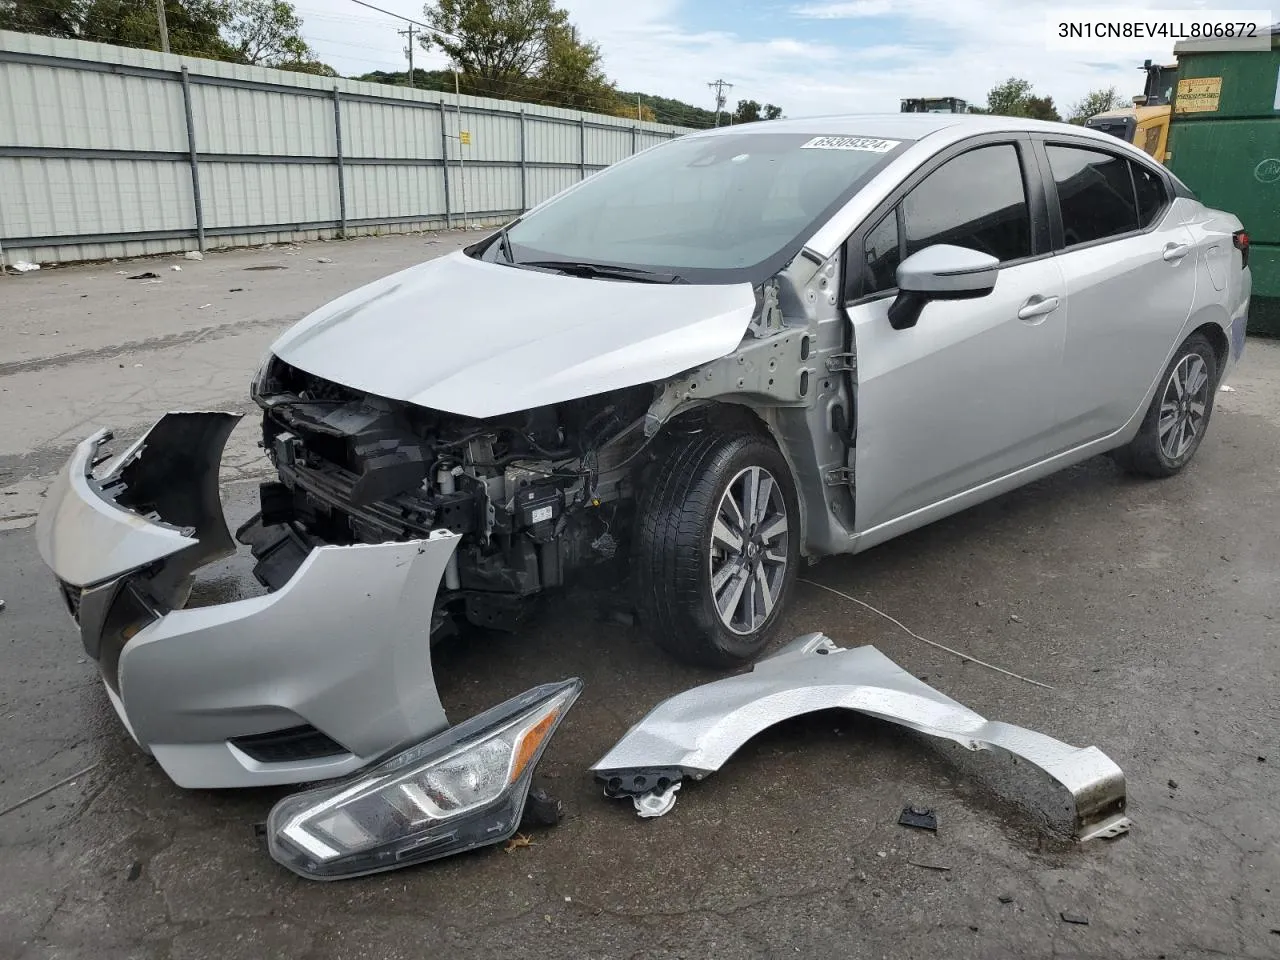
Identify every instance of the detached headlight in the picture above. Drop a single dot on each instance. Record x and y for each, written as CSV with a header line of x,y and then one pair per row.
x,y
462,789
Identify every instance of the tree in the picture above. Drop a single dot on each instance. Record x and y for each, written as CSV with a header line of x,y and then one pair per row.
x,y
1094,103
771,112
308,66
499,45
195,26
1040,108
1014,98
1006,99
56,18
266,33
572,75
748,112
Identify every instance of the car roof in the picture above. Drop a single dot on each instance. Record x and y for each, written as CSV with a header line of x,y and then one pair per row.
x,y
909,126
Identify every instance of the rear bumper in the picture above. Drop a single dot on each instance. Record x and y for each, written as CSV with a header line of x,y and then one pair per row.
x,y
316,679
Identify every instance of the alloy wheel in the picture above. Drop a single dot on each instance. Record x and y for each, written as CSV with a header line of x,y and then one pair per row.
x,y
748,553
1183,405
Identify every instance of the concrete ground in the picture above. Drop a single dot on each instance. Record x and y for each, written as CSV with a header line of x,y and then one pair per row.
x,y
1149,608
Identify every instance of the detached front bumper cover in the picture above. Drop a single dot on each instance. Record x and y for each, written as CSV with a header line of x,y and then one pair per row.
x,y
693,733
312,681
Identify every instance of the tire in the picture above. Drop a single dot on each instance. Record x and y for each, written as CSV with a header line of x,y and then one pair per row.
x,y
1178,417
678,550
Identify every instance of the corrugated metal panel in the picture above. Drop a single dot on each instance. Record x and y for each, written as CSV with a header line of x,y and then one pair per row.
x,y
607,146
51,107
84,96
487,188
262,194
492,137
385,130
394,191
44,197
552,142
233,120
545,182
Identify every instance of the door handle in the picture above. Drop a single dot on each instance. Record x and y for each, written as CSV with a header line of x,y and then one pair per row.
x,y
1173,252
1037,306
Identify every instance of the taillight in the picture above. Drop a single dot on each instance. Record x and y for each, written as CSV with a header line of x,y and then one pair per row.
x,y
1241,240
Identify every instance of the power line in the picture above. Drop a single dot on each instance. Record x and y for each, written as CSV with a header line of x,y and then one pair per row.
x,y
416,23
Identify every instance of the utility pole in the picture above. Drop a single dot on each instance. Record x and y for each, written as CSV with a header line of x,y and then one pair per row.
x,y
164,27
639,116
461,170
409,33
720,86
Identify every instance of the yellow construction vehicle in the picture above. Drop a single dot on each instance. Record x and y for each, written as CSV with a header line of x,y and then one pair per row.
x,y
1146,123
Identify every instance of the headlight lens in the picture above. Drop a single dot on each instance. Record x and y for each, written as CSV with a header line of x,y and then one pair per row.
x,y
258,384
462,789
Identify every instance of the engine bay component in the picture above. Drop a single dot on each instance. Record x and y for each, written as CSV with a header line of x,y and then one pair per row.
x,y
461,789
694,733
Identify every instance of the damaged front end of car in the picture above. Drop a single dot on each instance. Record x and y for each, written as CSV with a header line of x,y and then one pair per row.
x,y
535,496
315,679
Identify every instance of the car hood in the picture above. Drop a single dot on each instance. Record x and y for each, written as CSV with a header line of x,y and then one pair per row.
x,y
482,339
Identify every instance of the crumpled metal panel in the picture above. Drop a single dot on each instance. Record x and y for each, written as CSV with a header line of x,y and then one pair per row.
x,y
695,732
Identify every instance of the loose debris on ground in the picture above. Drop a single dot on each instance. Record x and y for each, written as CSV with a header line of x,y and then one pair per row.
x,y
919,817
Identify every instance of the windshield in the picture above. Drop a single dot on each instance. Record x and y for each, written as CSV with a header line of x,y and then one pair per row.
x,y
719,209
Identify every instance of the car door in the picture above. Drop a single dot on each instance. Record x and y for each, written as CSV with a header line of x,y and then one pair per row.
x,y
1130,270
967,394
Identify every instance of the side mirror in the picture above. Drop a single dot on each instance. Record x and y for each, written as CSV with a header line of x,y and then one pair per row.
x,y
940,272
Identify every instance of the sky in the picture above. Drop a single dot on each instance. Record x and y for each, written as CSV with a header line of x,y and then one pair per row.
x,y
808,56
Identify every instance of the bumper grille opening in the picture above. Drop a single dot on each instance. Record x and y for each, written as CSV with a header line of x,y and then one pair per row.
x,y
282,746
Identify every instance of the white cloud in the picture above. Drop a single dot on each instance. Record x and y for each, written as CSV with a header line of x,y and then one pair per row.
x,y
846,11
943,48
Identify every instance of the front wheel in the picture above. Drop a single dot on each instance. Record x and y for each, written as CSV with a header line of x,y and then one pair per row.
x,y
1179,413
717,546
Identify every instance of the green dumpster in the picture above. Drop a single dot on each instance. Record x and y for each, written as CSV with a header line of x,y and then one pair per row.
x,y
1224,143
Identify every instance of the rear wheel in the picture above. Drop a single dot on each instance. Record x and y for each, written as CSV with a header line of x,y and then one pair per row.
x,y
717,546
1179,413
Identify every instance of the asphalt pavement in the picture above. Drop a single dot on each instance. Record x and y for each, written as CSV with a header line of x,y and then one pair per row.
x,y
1148,607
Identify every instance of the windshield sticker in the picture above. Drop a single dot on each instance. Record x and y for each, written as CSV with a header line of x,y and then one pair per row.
x,y
867,144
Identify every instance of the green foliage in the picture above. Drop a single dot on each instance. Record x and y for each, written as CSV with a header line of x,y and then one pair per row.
x,y
1014,98
266,33
498,45
749,111
263,32
1094,103
675,112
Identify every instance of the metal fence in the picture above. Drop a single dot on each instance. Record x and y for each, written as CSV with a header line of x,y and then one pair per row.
x,y
108,151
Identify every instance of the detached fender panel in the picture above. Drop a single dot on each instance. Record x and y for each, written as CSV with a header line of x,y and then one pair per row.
x,y
694,733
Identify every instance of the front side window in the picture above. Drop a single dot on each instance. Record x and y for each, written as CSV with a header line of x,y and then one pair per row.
x,y
977,200
722,208
881,255
1095,194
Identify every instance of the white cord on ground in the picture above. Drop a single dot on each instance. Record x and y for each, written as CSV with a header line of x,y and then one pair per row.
x,y
932,643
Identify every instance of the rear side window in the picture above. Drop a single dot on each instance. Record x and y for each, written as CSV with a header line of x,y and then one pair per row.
x,y
1151,194
976,200
1095,194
